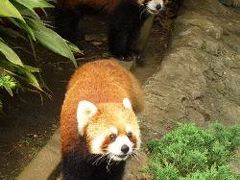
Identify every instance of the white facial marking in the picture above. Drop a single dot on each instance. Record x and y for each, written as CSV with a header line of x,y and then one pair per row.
x,y
115,148
128,129
152,6
113,130
85,111
116,158
127,103
96,145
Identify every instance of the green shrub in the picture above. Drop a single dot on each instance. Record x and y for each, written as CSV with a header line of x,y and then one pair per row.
x,y
18,20
193,153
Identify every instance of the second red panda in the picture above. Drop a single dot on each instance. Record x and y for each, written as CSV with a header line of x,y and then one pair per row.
x,y
125,19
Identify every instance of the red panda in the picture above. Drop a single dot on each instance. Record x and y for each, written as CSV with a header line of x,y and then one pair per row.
x,y
125,19
98,124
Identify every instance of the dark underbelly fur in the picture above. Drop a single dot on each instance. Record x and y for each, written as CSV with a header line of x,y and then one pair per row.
x,y
75,167
124,27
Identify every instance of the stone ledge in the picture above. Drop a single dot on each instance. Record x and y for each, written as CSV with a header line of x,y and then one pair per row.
x,y
46,161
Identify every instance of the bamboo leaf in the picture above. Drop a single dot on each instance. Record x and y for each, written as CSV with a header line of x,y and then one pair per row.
x,y
25,11
51,40
31,79
31,68
73,47
10,54
31,4
25,27
8,10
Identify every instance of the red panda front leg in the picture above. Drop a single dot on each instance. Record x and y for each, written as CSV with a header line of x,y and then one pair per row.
x,y
77,167
74,168
123,22
133,47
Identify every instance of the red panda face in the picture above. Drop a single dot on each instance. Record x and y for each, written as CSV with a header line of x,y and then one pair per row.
x,y
110,129
154,6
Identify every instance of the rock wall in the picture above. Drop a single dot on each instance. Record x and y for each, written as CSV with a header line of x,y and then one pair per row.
x,y
199,79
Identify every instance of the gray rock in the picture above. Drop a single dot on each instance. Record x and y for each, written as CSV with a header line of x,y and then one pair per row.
x,y
199,78
233,3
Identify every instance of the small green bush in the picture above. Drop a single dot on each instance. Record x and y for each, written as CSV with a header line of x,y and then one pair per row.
x,y
193,153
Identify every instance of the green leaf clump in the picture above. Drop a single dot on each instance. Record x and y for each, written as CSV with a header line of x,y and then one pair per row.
x,y
19,20
8,83
193,153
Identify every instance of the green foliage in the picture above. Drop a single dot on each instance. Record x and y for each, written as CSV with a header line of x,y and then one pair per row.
x,y
193,153
18,19
8,83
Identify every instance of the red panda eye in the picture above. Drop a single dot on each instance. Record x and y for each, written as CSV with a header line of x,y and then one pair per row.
x,y
129,134
112,137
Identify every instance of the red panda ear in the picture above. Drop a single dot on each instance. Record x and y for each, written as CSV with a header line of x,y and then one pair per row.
x,y
127,103
85,111
140,2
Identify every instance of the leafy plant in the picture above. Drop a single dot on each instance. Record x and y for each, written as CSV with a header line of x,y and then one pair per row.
x,y
193,153
8,83
18,19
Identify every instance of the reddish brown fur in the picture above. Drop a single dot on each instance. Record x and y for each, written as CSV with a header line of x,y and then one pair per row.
x,y
102,81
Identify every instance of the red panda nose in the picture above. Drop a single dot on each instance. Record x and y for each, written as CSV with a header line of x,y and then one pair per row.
x,y
125,149
158,7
